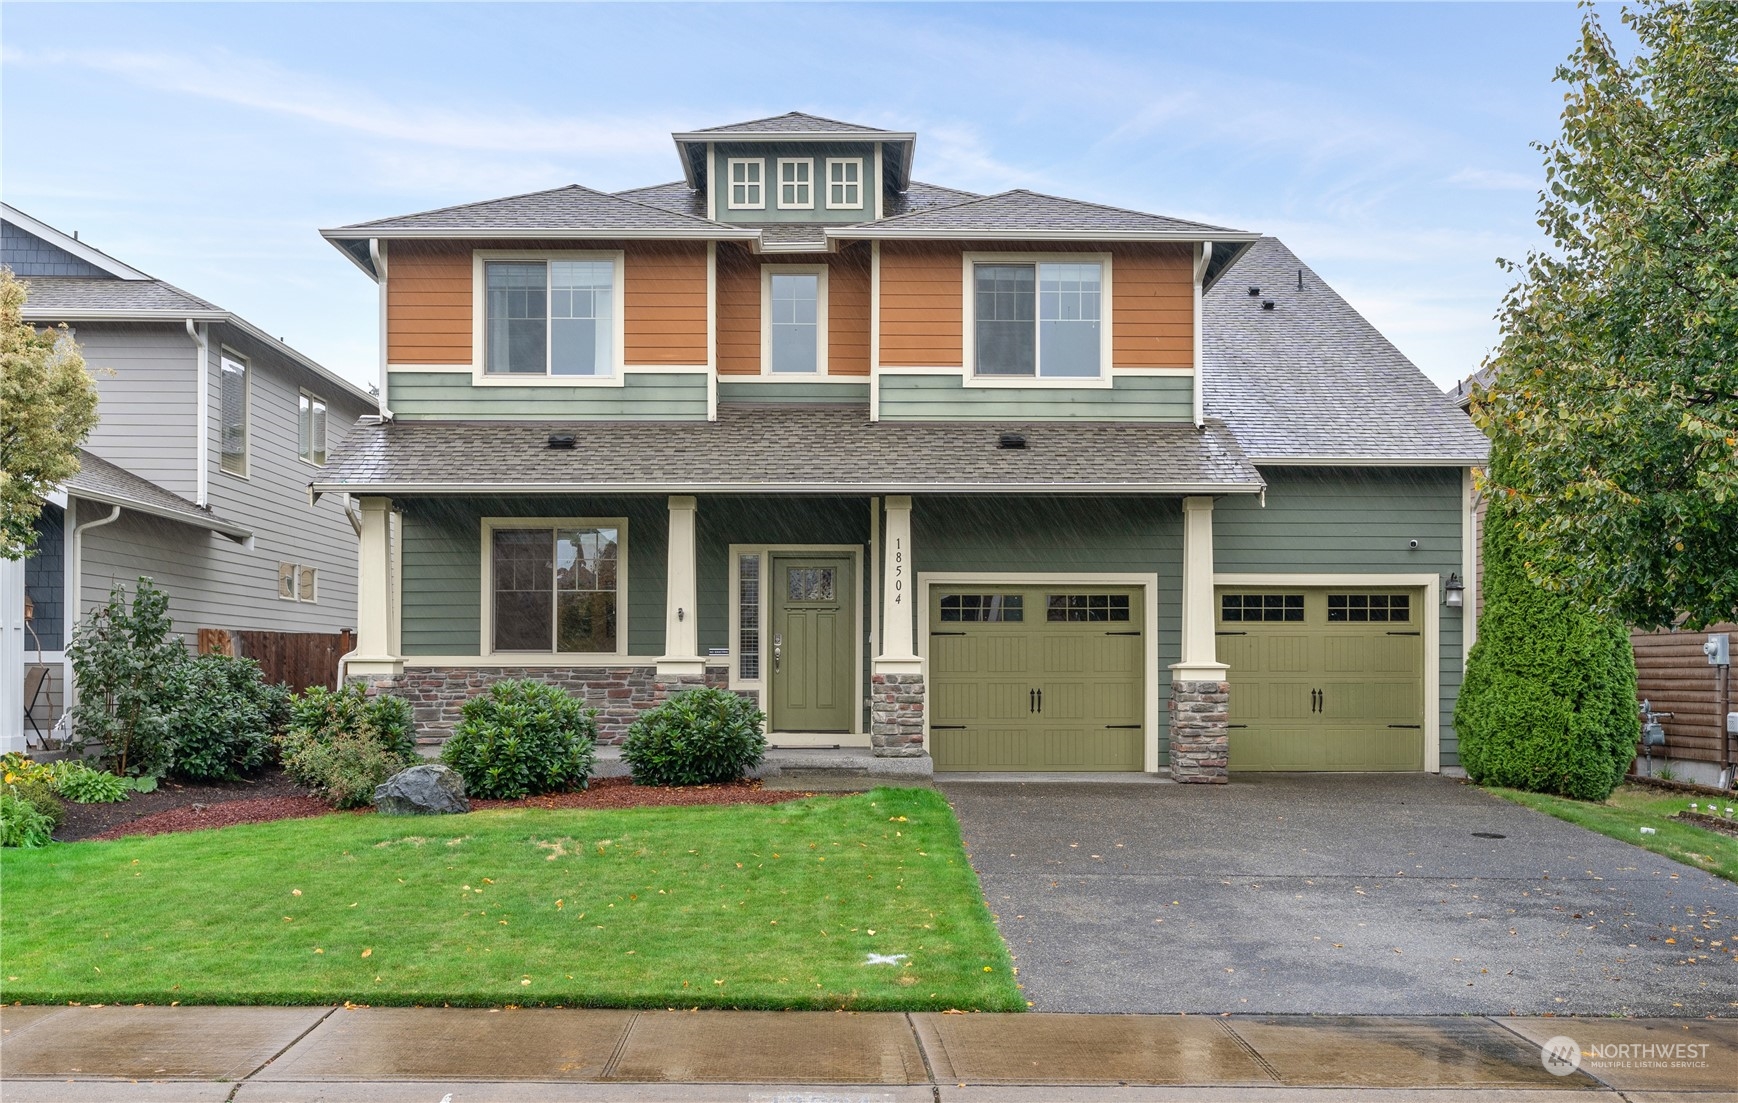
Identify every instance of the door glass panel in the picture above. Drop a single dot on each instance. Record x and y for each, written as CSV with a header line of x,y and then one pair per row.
x,y
983,608
1242,608
1364,608
809,583
1086,607
748,617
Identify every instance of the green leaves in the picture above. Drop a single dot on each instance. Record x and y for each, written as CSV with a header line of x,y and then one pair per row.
x,y
696,737
522,738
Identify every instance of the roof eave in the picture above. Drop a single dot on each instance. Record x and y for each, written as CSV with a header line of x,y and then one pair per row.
x,y
696,233
868,232
1368,461
212,523
890,487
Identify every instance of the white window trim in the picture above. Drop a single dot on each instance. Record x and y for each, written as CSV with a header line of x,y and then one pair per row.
x,y
225,352
767,271
779,182
828,182
296,569
730,202
762,686
309,459
486,621
968,335
480,375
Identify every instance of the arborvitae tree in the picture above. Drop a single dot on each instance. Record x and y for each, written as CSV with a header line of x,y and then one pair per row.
x,y
1548,704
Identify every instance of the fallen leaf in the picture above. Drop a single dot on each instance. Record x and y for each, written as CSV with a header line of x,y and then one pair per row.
x,y
369,952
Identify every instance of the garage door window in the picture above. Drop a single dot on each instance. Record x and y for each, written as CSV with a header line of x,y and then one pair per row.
x,y
1244,608
983,608
1390,608
1086,607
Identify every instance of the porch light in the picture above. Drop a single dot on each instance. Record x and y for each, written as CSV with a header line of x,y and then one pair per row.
x,y
1454,591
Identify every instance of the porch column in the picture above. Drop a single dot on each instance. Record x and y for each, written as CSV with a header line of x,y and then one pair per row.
x,y
1199,693
12,654
374,658
681,657
896,690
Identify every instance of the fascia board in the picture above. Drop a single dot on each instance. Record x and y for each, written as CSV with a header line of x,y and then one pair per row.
x,y
890,487
1368,461
214,524
68,243
700,233
853,233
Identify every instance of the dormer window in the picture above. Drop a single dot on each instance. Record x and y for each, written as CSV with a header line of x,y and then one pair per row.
x,y
747,186
844,184
796,184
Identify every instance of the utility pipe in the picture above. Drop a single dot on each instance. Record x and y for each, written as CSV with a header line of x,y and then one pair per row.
x,y
378,259
75,582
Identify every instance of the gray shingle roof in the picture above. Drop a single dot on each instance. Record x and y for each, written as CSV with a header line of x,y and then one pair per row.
x,y
572,208
675,196
47,295
98,480
1027,210
788,449
1312,379
788,235
920,197
792,122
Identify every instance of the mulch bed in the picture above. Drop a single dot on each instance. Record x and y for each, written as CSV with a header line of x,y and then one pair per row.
x,y
272,796
1713,823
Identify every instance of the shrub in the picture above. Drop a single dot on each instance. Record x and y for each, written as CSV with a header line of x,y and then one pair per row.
x,y
40,793
522,738
220,726
1548,704
342,744
697,737
21,824
82,785
123,657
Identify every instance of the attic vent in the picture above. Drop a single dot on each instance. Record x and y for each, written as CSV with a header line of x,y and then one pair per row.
x,y
1015,441
1254,291
562,441
1267,304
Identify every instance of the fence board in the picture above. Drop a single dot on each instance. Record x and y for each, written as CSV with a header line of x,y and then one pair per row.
x,y
297,659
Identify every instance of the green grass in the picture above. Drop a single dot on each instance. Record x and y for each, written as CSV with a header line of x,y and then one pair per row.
x,y
748,906
1633,807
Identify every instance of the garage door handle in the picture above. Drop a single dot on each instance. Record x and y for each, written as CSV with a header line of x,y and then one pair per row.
x,y
1031,700
1231,633
1237,725
947,633
1122,633
1125,727
1040,701
947,727
1406,725
1406,633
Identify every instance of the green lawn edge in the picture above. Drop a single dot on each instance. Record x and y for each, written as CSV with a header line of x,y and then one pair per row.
x,y
741,894
1632,807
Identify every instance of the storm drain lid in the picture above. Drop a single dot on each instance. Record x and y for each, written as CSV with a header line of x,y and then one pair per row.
x,y
1487,835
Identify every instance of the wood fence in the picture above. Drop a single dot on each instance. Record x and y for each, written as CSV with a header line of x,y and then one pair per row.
x,y
297,659
1673,674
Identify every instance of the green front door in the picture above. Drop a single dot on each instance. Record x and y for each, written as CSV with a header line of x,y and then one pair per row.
x,y
813,644
1324,679
1036,678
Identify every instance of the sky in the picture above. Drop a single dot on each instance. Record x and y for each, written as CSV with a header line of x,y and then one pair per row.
x,y
1387,144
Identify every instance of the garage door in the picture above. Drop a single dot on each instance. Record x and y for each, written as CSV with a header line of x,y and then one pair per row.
x,y
1036,678
1324,679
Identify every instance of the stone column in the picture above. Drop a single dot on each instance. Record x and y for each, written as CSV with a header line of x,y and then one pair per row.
x,y
896,690
681,660
1200,695
373,658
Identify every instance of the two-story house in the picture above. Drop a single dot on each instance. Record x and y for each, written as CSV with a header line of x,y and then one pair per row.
x,y
196,475
1012,481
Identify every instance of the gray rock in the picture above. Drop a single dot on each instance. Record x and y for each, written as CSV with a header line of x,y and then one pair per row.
x,y
422,791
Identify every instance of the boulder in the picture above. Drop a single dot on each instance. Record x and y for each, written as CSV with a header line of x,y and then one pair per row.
x,y
429,790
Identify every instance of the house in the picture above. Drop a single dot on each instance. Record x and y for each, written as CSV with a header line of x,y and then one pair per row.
x,y
196,474
995,482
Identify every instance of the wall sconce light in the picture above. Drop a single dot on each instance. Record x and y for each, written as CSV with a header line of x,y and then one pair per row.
x,y
679,613
1454,591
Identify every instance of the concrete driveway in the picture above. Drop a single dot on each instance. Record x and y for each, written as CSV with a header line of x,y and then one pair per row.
x,y
1342,893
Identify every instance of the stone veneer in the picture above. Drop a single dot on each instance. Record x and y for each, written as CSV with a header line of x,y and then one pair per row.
x,y
1199,735
618,693
896,715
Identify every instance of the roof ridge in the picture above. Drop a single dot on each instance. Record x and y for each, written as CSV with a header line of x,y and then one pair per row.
x,y
460,206
1109,207
794,115
975,198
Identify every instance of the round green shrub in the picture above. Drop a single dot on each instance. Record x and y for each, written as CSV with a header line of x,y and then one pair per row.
x,y
40,793
342,744
522,738
697,737
221,723
20,822
1548,703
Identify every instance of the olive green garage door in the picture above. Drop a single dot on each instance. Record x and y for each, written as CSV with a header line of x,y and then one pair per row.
x,y
1036,678
1324,679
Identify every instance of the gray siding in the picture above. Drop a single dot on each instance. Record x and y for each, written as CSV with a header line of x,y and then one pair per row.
x,y
147,377
648,396
944,397
1336,520
28,255
804,393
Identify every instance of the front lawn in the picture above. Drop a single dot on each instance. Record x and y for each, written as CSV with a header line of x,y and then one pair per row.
x,y
1633,807
769,906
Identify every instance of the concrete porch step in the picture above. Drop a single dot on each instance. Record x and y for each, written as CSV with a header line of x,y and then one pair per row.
x,y
822,769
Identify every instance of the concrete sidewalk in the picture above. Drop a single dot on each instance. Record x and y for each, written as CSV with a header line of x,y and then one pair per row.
x,y
405,1055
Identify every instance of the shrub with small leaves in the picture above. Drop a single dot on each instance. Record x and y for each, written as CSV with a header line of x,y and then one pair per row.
x,y
326,713
697,737
21,823
221,723
40,793
342,744
345,770
82,785
522,738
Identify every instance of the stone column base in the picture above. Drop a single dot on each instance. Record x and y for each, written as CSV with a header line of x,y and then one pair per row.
x,y
896,715
1200,744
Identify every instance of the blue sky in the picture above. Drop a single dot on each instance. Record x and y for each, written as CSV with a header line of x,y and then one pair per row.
x,y
205,144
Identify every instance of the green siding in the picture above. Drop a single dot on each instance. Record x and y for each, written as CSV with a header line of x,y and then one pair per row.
x,y
1333,520
945,397
443,540
643,396
797,392
818,152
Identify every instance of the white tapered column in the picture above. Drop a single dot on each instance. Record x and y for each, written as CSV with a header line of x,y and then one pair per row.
x,y
898,590
1200,695
681,631
374,656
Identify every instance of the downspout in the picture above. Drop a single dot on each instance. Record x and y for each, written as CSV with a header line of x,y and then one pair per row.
x,y
75,584
1200,275
378,259
200,418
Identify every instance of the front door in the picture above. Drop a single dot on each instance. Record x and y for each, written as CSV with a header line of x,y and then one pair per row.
x,y
813,636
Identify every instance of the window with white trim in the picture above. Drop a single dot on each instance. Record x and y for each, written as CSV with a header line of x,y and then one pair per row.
x,y
298,582
795,320
1038,319
796,183
844,183
555,589
747,186
748,616
550,317
311,428
232,417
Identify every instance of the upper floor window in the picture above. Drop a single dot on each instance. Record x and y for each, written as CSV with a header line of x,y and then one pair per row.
x,y
747,188
844,183
311,428
795,319
796,185
232,412
550,317
1038,319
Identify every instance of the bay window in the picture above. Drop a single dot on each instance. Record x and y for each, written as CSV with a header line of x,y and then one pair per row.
x,y
555,588
551,317
1040,319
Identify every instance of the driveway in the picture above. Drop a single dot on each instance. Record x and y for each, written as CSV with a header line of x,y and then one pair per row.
x,y
1345,894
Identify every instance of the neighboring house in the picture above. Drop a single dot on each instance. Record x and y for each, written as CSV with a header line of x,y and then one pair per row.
x,y
1013,481
195,475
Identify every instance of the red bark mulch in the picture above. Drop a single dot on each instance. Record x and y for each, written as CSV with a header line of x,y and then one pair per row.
x,y
180,807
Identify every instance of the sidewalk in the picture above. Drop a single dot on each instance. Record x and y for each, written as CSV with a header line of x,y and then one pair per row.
x,y
406,1055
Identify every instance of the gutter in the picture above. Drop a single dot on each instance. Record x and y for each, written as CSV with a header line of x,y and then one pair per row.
x,y
870,232
1202,260
378,259
201,421
897,487
75,585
